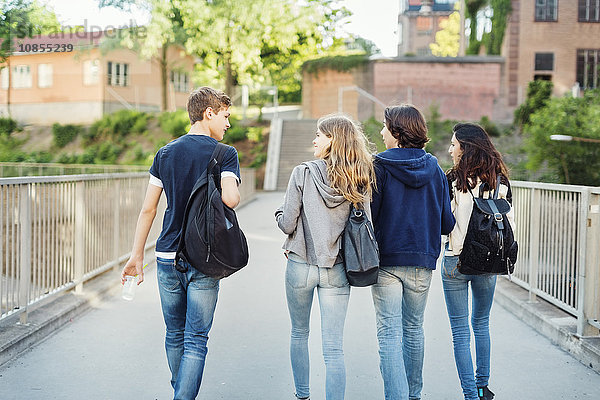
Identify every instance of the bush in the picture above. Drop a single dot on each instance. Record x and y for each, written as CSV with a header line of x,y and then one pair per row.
x,y
7,126
64,134
538,94
255,134
175,123
372,129
118,124
236,133
489,126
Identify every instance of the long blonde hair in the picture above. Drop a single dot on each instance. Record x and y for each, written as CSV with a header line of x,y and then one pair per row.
x,y
349,162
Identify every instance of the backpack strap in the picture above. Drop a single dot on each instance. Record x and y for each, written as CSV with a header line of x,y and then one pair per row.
x,y
497,190
216,161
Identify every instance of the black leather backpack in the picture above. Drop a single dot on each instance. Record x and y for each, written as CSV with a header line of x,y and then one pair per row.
x,y
490,246
211,239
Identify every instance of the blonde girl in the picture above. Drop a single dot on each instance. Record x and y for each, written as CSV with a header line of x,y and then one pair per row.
x,y
313,215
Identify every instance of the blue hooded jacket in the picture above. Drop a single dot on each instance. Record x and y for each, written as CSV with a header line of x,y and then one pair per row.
x,y
410,208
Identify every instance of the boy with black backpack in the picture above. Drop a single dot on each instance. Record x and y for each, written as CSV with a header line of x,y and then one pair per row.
x,y
188,297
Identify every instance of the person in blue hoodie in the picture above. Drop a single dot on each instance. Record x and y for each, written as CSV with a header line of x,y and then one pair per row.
x,y
411,211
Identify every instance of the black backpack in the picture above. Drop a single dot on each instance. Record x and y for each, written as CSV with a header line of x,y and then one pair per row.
x,y
211,239
360,250
489,246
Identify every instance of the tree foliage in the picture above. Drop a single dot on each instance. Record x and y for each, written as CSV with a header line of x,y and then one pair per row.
x,y
538,94
573,162
493,40
472,7
23,18
448,37
242,41
246,41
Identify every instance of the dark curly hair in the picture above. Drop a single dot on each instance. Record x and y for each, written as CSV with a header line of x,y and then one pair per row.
x,y
479,159
407,125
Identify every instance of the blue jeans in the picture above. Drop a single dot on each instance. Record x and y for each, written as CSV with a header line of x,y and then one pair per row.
x,y
399,306
188,303
301,279
456,292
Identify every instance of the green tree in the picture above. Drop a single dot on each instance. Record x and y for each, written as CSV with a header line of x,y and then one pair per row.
x,y
448,37
572,162
20,19
538,94
231,35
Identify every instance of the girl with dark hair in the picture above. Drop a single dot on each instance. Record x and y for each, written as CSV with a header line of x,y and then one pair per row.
x,y
476,161
411,212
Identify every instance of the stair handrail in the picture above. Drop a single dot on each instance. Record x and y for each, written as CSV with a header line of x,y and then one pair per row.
x,y
359,91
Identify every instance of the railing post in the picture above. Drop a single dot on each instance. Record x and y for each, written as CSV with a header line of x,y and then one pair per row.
x,y
116,221
78,258
534,241
591,298
581,262
25,249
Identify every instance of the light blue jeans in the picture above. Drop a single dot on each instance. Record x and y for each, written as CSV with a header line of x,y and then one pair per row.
x,y
400,306
301,280
456,292
188,303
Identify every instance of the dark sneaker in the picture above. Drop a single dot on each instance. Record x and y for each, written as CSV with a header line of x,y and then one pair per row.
x,y
485,393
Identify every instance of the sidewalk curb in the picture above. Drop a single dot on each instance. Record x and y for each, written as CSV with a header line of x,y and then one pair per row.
x,y
49,318
558,326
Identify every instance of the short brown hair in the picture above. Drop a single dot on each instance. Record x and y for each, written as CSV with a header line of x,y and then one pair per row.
x,y
204,97
407,125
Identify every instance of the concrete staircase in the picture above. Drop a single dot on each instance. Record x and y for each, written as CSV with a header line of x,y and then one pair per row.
x,y
296,146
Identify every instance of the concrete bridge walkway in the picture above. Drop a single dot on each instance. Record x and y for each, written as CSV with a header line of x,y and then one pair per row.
x,y
115,351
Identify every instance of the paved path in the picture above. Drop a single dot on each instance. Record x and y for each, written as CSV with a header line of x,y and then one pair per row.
x,y
116,350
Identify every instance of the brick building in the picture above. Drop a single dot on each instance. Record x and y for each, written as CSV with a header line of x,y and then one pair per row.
x,y
557,40
68,78
418,22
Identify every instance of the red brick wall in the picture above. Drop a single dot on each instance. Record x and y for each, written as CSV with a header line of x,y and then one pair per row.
x,y
466,89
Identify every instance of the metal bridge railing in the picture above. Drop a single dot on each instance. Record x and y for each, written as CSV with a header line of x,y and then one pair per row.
x,y
57,232
558,230
13,169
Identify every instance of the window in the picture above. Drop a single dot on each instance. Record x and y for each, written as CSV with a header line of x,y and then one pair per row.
x,y
588,68
589,10
4,77
118,74
91,72
423,51
21,76
546,10
424,24
179,81
44,75
544,61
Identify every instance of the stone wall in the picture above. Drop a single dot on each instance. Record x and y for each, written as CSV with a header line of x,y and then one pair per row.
x,y
465,88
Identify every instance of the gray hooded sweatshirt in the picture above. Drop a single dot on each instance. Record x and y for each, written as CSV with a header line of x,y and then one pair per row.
x,y
313,215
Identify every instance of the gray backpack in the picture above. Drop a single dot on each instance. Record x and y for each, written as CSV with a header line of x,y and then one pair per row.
x,y
360,250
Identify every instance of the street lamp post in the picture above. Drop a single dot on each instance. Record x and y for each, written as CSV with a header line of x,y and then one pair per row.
x,y
568,138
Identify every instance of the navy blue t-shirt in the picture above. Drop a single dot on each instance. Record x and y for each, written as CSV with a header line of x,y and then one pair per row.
x,y
176,167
